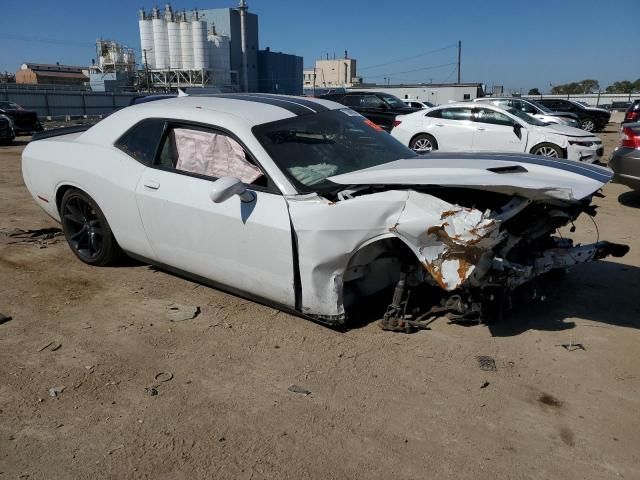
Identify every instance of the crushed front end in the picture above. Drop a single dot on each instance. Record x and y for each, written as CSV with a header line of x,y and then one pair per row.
x,y
483,260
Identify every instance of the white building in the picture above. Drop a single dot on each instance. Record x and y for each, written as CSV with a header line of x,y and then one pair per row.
x,y
436,93
332,73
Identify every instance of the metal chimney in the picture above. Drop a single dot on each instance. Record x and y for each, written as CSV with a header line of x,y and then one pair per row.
x,y
243,42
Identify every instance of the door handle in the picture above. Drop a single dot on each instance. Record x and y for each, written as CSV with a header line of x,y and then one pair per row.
x,y
439,125
480,128
152,185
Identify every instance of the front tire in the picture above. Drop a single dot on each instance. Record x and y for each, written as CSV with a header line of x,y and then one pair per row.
x,y
588,124
87,230
548,150
423,143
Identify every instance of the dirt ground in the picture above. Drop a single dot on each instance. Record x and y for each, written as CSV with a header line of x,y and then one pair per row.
x,y
382,405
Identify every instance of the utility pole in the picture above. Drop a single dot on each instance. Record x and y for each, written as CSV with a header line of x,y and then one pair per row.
x,y
146,70
314,81
459,57
243,40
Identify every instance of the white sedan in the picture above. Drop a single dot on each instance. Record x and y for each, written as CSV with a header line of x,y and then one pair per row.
x,y
465,127
308,206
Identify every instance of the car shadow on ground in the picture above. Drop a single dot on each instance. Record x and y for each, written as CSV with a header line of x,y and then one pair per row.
x,y
630,199
602,292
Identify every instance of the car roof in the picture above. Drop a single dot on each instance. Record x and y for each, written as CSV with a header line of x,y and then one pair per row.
x,y
254,108
240,110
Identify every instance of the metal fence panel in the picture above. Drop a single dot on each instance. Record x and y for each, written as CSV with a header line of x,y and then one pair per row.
x,y
62,103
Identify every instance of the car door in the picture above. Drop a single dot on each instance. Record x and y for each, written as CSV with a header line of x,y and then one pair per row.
x,y
242,245
452,127
495,132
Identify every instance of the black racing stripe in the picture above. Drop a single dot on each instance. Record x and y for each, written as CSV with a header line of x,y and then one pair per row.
x,y
288,105
318,107
572,166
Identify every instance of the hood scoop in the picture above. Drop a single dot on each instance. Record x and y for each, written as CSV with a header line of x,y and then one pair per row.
x,y
508,169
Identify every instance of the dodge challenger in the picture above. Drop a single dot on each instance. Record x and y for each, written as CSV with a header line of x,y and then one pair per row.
x,y
306,205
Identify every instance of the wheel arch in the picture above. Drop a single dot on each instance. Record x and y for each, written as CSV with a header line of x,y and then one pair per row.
x,y
545,141
374,266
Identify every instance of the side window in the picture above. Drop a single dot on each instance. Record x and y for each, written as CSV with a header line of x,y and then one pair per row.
x,y
456,113
352,100
485,115
141,141
209,153
371,101
434,114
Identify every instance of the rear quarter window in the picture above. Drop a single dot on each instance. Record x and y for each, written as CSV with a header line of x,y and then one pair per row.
x,y
141,141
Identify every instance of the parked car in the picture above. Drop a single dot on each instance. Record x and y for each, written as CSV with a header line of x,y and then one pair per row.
x,y
25,122
306,205
380,108
534,109
464,127
633,112
591,119
421,104
6,130
625,160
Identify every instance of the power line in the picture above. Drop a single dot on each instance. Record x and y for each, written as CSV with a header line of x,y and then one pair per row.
x,y
431,67
408,58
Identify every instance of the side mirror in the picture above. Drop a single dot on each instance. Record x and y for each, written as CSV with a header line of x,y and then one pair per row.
x,y
226,187
517,129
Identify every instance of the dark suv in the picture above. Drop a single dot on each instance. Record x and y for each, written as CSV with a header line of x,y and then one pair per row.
x,y
6,130
591,119
25,122
380,108
633,113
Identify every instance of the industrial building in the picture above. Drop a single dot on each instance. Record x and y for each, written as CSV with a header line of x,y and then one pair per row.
x,y
332,73
51,74
180,49
436,93
228,22
279,73
115,67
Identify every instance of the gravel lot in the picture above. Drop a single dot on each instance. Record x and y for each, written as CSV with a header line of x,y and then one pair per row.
x,y
382,405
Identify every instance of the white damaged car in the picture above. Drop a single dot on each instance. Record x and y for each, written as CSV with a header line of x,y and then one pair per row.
x,y
482,127
306,205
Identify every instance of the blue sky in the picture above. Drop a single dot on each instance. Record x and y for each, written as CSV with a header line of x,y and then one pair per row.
x,y
518,44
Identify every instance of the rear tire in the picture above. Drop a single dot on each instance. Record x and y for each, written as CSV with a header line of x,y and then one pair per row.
x,y
87,230
548,150
423,143
588,124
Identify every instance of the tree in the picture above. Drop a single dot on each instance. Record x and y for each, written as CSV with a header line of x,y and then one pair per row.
x,y
576,88
624,86
534,91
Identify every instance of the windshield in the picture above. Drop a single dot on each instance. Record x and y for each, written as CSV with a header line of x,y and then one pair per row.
x,y
311,148
540,106
394,101
526,117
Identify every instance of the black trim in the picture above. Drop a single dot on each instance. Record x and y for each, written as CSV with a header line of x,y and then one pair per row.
x,y
56,132
293,105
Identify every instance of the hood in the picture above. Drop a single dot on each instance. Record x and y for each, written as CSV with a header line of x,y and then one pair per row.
x,y
567,131
530,176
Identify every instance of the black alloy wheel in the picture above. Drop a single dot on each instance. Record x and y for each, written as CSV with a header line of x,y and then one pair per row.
x,y
86,229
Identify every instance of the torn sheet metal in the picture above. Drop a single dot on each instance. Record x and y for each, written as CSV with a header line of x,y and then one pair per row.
x,y
451,247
